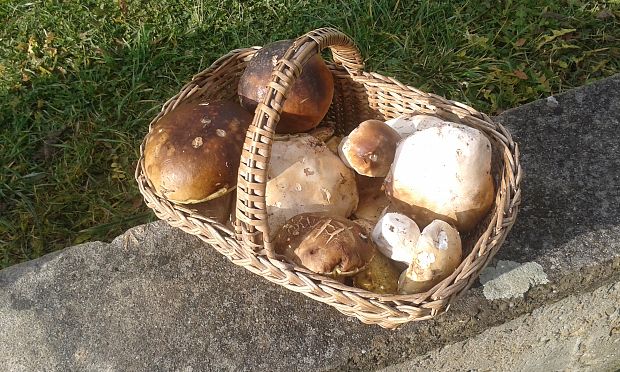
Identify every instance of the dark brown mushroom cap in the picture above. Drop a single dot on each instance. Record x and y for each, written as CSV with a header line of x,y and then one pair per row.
x,y
370,148
325,244
309,98
192,153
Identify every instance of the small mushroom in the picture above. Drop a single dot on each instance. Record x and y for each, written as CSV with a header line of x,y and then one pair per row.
x,y
437,254
369,149
443,172
192,153
407,125
304,176
326,244
396,236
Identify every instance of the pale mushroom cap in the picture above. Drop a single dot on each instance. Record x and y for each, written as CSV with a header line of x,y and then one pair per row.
x,y
369,148
396,236
406,125
304,176
443,172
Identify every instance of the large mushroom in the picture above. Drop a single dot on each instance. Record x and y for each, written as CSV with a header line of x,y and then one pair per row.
x,y
304,176
309,98
326,244
443,172
192,153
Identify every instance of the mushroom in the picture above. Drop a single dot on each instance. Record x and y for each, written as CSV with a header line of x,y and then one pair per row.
x,y
218,209
436,255
369,148
372,198
192,153
396,236
380,276
326,244
407,125
333,143
304,176
443,172
309,98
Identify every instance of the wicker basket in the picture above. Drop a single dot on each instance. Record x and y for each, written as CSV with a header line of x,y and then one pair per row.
x,y
358,96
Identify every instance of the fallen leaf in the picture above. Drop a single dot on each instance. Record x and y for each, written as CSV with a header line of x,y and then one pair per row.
x,y
520,74
520,42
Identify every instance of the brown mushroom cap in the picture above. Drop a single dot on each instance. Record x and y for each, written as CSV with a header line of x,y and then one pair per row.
x,y
307,101
369,149
325,244
192,153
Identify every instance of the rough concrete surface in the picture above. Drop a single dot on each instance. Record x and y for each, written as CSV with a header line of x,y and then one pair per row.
x,y
159,299
510,279
578,333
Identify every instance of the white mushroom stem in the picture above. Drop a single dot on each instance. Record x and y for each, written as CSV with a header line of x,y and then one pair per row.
x,y
396,236
437,254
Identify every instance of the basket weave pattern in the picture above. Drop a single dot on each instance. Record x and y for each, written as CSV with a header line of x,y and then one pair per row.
x,y
358,96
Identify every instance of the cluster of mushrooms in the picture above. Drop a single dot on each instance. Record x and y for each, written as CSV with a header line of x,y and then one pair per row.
x,y
381,209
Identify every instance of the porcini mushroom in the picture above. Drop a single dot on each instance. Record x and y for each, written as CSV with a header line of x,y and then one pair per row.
x,y
380,276
192,153
304,176
396,236
309,98
443,172
328,245
406,125
369,148
372,198
436,255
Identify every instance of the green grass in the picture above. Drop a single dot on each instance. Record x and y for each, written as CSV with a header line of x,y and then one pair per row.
x,y
80,80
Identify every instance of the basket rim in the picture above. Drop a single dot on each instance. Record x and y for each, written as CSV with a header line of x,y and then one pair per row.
x,y
386,310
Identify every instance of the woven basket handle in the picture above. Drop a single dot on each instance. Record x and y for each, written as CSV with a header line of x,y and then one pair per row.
x,y
251,211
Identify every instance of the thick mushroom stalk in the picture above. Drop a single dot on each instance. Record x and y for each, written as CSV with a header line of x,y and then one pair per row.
x,y
396,236
437,254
